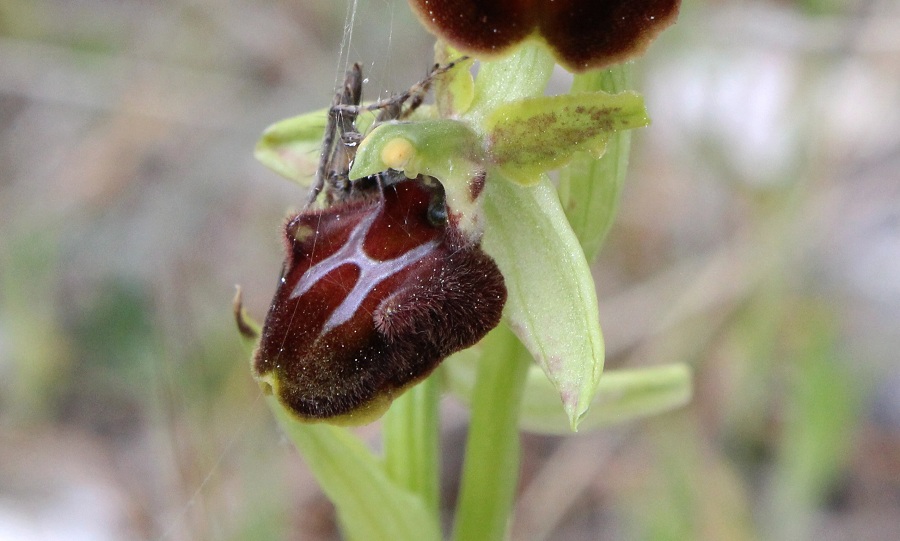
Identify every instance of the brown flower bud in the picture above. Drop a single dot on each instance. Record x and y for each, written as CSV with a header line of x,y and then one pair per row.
x,y
583,34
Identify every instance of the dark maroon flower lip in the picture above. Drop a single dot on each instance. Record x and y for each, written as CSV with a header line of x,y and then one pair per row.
x,y
374,295
583,34
380,282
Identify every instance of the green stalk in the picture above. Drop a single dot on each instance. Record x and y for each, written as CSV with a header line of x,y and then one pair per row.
x,y
491,466
411,433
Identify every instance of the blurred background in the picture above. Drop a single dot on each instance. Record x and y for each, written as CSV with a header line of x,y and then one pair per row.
x,y
758,240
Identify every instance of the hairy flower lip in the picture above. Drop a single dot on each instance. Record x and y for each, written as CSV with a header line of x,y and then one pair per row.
x,y
375,294
583,34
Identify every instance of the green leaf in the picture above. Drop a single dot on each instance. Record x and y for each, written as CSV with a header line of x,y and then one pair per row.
x,y
291,147
589,188
552,305
531,136
622,395
369,505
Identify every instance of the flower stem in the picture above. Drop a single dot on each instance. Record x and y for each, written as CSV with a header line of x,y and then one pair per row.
x,y
491,466
411,435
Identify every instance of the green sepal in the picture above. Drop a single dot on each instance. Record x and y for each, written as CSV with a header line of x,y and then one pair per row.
x,y
531,136
291,147
369,505
551,303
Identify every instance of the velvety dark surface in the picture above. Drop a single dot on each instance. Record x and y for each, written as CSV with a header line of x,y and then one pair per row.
x,y
414,312
585,34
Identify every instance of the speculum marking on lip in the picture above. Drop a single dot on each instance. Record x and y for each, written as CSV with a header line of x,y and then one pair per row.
x,y
371,271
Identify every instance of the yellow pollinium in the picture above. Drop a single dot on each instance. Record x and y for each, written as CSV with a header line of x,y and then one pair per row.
x,y
397,153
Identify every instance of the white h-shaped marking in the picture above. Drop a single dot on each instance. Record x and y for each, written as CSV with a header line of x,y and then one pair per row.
x,y
371,271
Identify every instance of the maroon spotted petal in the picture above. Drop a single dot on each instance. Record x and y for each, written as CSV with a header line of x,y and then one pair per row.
x,y
374,295
583,34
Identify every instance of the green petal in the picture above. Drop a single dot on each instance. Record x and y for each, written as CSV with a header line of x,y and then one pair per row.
x,y
369,505
441,148
454,90
532,136
552,305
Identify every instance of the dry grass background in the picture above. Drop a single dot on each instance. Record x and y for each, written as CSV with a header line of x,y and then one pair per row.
x,y
759,240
